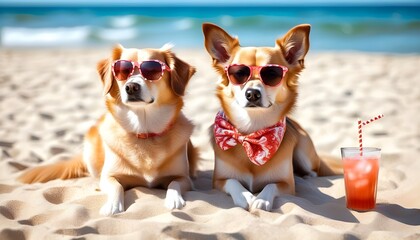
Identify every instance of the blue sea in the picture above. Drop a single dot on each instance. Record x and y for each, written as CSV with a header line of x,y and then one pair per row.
x,y
394,29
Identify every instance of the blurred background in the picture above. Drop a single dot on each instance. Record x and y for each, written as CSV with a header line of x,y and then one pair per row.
x,y
371,25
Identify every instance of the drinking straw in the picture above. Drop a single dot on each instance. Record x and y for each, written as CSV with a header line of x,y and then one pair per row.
x,y
359,125
372,119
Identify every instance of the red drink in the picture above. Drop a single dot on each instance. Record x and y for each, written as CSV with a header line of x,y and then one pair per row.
x,y
360,178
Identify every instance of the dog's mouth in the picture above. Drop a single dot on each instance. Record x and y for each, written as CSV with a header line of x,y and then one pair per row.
x,y
252,105
139,101
257,105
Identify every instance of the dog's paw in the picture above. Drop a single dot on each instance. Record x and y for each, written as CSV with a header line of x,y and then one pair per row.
x,y
112,207
265,199
262,204
243,200
174,199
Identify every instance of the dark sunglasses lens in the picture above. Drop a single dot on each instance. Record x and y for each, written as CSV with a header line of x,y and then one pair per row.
x,y
271,75
239,74
123,69
151,70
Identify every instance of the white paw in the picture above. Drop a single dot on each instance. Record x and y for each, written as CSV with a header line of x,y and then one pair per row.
x,y
174,199
265,199
243,200
112,207
262,204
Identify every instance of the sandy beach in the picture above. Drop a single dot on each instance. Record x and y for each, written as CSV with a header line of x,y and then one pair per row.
x,y
50,97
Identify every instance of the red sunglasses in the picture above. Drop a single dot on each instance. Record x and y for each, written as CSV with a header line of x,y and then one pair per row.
x,y
270,74
151,70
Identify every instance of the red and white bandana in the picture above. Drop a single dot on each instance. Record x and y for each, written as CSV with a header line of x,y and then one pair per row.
x,y
260,146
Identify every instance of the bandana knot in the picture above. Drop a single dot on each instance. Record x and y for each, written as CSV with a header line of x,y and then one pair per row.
x,y
260,146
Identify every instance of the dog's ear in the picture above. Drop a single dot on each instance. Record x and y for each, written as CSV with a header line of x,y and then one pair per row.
x,y
181,72
218,43
295,44
104,69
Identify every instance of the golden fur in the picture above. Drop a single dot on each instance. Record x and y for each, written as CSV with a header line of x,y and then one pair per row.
x,y
234,173
112,150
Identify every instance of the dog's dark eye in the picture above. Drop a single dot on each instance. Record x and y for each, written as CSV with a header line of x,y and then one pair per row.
x,y
122,69
271,75
239,74
151,70
272,72
125,70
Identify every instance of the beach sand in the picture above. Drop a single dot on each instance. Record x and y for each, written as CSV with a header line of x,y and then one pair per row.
x,y
50,97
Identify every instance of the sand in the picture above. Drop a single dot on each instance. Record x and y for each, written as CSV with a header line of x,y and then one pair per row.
x,y
50,97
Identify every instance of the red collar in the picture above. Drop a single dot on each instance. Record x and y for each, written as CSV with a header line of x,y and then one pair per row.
x,y
152,135
260,146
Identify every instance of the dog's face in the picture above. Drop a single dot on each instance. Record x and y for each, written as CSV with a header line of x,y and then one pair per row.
x,y
138,104
138,92
253,104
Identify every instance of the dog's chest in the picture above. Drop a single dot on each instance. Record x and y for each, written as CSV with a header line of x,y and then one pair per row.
x,y
235,164
142,166
145,155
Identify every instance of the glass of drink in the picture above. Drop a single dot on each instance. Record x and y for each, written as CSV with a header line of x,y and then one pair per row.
x,y
361,176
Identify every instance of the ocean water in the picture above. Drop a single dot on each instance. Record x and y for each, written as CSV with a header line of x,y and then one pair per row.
x,y
393,29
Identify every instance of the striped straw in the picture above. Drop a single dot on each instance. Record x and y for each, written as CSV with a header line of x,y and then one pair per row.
x,y
372,119
360,124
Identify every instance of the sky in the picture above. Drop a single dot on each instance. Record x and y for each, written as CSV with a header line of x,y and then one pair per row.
x,y
207,2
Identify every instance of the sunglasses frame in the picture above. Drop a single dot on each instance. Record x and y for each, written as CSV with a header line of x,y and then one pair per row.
x,y
258,69
137,64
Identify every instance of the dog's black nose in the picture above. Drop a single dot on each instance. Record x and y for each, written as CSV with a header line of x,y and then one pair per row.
x,y
253,95
132,88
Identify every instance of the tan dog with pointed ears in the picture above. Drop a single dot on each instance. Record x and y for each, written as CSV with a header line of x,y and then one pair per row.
x,y
257,147
143,139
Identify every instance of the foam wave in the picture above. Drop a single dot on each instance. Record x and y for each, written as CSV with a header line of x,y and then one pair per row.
x,y
123,21
11,36
117,34
227,20
385,29
184,24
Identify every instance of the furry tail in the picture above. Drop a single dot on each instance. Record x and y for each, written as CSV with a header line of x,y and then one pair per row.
x,y
72,168
330,166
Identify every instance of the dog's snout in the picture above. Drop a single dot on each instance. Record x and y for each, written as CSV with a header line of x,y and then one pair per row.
x,y
253,95
132,88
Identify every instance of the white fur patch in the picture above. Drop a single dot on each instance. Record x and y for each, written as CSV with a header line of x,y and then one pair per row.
x,y
144,119
240,195
173,199
114,205
248,120
168,46
266,197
